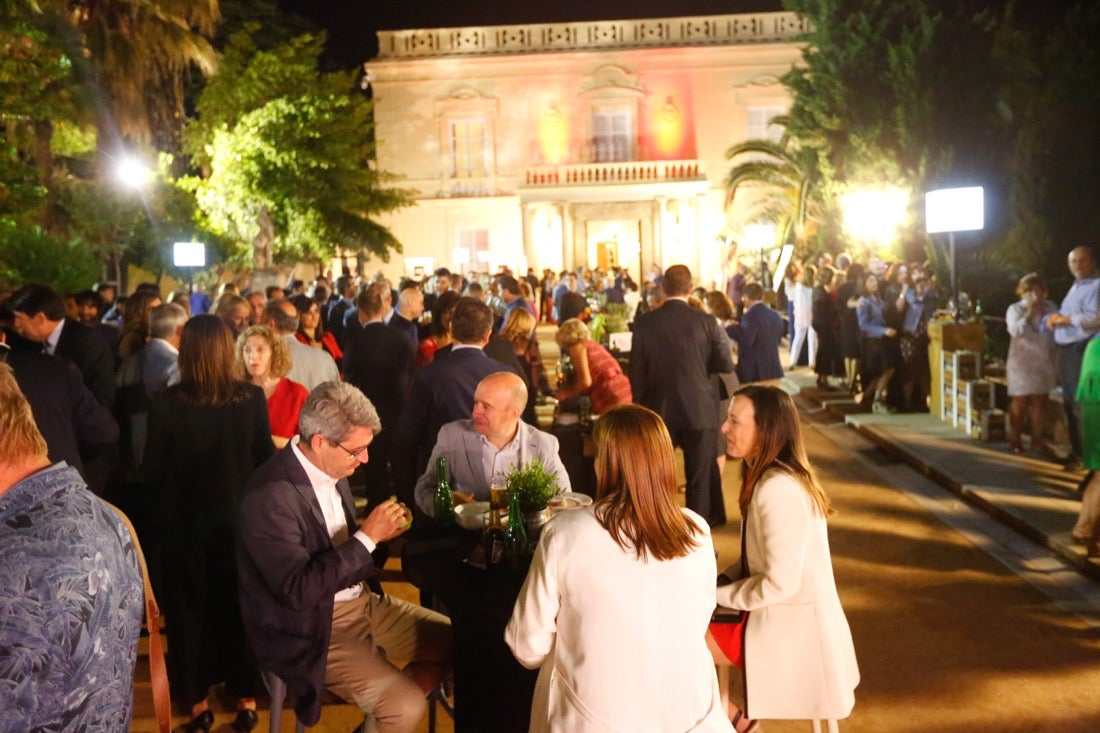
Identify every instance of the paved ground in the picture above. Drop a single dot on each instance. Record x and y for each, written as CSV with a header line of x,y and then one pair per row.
x,y
970,609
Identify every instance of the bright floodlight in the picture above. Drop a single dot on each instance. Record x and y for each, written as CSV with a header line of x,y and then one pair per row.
x,y
954,210
131,172
873,215
759,236
189,254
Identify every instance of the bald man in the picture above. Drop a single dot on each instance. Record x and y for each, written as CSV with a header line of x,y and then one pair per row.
x,y
489,443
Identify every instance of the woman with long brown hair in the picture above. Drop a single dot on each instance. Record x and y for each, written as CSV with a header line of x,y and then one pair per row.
x,y
618,598
798,654
206,436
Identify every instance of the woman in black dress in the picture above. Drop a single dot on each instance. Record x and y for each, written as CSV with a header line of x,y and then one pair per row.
x,y
826,321
206,435
847,298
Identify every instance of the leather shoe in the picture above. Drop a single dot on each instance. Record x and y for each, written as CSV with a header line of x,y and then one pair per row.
x,y
201,723
245,721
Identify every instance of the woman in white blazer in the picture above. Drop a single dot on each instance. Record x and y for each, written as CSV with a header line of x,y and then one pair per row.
x,y
616,605
799,659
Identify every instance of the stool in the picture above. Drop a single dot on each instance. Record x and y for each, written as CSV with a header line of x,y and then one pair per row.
x,y
277,688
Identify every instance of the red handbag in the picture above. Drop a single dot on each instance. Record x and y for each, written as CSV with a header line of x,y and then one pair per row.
x,y
727,625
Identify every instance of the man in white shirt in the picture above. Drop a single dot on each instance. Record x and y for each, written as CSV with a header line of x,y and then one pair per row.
x,y
310,366
302,563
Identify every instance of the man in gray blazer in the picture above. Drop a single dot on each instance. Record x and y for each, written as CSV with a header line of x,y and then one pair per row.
x,y
489,443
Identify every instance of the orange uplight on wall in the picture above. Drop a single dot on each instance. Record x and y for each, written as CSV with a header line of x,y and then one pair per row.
x,y
553,135
669,128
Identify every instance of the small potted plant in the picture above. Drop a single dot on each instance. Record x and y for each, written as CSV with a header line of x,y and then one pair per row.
x,y
535,487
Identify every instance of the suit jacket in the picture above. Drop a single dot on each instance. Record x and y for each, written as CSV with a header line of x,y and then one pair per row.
x,y
407,327
799,658
310,366
66,412
461,444
675,350
378,360
758,336
160,366
334,321
288,573
88,349
441,392
604,667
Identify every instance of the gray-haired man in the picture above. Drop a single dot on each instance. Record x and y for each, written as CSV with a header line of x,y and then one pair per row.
x,y
302,563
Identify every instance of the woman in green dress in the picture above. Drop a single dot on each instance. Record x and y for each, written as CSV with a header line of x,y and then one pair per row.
x,y
1087,529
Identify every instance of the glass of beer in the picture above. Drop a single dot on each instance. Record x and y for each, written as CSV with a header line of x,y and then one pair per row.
x,y
498,494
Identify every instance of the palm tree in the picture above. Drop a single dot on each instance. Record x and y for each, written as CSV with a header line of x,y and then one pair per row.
x,y
783,190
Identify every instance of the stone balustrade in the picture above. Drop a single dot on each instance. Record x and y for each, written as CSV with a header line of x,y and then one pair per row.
x,y
614,173
745,28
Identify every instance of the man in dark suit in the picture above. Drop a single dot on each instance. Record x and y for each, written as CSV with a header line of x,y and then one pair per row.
x,y
443,390
39,315
340,303
378,360
302,562
410,306
675,350
65,411
757,335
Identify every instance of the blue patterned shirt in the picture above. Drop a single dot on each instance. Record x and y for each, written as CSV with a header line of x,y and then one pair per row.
x,y
71,605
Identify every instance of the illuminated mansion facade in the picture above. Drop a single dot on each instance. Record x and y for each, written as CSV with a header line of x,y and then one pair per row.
x,y
559,145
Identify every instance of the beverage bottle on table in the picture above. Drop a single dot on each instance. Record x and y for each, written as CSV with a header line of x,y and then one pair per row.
x,y
495,541
515,533
444,501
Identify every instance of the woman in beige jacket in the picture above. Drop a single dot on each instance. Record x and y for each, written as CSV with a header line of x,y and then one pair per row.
x,y
799,659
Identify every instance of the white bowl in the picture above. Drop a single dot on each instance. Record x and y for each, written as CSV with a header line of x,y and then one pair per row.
x,y
472,515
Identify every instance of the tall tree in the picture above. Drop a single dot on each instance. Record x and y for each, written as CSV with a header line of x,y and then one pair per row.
x,y
287,157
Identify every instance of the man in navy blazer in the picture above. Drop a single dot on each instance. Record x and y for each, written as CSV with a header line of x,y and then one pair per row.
x,y
675,350
443,390
302,561
39,315
757,335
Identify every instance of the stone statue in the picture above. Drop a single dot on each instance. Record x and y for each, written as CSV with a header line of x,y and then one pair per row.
x,y
264,240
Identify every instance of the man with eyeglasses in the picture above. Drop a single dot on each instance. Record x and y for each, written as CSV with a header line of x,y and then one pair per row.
x,y
304,566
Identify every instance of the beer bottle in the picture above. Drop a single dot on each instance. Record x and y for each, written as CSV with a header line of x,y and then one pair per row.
x,y
444,501
515,534
495,541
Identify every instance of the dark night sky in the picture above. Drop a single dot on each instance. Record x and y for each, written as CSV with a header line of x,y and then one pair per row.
x,y
351,24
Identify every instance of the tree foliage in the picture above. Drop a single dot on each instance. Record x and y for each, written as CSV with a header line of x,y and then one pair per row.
x,y
275,134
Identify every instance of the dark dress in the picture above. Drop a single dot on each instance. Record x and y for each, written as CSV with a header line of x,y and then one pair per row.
x,y
197,460
826,321
850,336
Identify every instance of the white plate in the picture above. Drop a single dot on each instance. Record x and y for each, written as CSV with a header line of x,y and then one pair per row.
x,y
569,500
472,515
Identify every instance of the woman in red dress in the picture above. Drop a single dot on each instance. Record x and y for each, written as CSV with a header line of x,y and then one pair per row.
x,y
266,361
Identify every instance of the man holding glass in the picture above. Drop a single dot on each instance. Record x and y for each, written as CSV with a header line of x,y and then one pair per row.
x,y
485,447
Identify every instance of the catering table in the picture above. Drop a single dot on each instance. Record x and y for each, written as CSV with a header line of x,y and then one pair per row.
x,y
492,691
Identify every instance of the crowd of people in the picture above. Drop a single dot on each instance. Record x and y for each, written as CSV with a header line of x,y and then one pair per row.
x,y
235,428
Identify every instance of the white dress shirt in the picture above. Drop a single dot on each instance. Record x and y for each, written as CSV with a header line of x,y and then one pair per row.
x,y
324,486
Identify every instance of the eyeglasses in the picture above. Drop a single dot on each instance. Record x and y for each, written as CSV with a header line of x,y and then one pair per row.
x,y
353,454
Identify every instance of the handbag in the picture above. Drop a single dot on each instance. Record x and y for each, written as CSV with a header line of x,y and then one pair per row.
x,y
158,673
727,625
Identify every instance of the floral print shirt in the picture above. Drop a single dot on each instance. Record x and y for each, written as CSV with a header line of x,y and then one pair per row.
x,y
71,606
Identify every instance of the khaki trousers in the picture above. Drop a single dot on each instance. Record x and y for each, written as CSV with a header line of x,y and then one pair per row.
x,y
369,635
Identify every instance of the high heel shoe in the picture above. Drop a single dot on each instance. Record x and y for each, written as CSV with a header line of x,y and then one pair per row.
x,y
201,723
245,721
749,726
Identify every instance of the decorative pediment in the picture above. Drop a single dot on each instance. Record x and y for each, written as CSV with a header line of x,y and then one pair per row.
x,y
465,93
612,78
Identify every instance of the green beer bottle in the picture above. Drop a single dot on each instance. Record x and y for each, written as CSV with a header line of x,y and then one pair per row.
x,y
444,502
